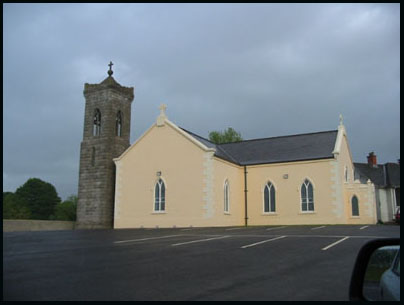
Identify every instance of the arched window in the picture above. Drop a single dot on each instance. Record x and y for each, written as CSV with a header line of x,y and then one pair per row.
x,y
159,196
119,124
307,196
226,196
269,198
355,206
97,123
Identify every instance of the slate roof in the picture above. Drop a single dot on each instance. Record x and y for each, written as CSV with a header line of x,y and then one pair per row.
x,y
375,174
219,151
310,146
393,174
384,175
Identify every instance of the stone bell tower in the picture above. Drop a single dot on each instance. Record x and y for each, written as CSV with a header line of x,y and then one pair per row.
x,y
106,136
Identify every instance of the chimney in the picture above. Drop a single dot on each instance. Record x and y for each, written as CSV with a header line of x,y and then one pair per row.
x,y
372,159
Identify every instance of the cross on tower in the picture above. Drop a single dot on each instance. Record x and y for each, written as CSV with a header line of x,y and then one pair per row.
x,y
110,68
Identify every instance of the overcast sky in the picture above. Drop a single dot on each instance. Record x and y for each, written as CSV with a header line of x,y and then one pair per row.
x,y
264,69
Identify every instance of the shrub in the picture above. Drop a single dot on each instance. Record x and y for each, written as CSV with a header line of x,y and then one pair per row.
x,y
66,210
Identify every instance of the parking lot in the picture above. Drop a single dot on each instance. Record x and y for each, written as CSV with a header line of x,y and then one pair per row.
x,y
229,263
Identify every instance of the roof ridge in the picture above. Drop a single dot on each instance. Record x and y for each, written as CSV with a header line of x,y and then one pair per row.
x,y
258,139
294,135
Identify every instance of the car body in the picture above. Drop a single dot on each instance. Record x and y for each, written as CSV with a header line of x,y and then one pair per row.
x,y
358,287
390,281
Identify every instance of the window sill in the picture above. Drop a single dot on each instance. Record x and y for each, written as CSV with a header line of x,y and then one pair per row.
x,y
307,213
226,213
269,214
159,212
355,217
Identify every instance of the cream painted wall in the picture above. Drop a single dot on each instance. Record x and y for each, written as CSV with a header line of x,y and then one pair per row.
x,y
364,192
287,195
235,176
194,181
365,195
181,165
195,178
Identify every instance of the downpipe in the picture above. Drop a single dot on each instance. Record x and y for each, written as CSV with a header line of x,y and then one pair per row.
x,y
245,196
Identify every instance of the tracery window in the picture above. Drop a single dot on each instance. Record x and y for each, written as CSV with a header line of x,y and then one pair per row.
x,y
307,199
269,198
159,196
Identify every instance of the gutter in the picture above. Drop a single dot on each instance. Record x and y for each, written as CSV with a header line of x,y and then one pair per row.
x,y
245,196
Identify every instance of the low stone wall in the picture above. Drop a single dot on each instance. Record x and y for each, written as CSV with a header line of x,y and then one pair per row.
x,y
36,225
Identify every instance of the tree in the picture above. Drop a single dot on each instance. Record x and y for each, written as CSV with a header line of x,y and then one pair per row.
x,y
39,197
67,209
227,136
14,207
5,194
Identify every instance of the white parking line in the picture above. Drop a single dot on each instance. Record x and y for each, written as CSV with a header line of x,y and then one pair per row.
x,y
310,236
364,227
317,228
337,242
199,240
261,242
269,229
141,239
238,228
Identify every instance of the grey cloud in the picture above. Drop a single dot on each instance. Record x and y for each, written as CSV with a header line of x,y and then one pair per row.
x,y
263,69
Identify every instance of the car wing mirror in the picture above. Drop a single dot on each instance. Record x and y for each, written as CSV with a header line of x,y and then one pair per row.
x,y
377,271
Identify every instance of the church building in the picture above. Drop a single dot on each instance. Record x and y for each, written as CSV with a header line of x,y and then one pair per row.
x,y
171,177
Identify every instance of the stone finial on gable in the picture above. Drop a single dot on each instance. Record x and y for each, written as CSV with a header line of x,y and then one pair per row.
x,y
340,135
162,117
341,125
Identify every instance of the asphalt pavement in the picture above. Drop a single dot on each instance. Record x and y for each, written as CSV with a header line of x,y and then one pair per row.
x,y
278,263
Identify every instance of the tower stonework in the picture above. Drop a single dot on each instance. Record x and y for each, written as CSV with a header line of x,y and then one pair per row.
x,y
106,136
